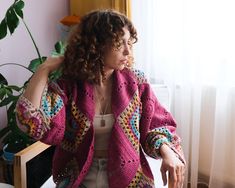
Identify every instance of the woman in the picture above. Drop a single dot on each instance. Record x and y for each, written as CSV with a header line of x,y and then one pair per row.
x,y
101,114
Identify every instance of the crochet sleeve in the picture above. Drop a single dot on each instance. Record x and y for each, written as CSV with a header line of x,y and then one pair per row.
x,y
46,123
157,125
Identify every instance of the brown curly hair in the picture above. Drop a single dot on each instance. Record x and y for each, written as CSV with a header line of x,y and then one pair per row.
x,y
84,56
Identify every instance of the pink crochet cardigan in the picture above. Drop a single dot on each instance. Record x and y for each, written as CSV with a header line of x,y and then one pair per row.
x,y
65,119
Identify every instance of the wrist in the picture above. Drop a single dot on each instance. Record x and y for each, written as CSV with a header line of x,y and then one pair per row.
x,y
44,68
166,151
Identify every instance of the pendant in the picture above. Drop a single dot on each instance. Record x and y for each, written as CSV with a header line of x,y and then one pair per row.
x,y
102,123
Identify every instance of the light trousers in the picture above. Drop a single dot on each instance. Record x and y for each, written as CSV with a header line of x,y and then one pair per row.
x,y
97,175
95,178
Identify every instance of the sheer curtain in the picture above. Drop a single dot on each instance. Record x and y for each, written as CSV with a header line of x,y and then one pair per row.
x,y
190,46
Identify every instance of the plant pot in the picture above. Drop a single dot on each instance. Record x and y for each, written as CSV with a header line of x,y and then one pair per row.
x,y
7,166
7,155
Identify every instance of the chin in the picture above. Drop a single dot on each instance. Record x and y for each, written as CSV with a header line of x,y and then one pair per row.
x,y
121,67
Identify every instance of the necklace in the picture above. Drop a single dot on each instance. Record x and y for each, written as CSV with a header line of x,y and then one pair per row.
x,y
102,110
102,121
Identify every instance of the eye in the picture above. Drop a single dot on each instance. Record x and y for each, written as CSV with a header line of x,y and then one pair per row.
x,y
130,43
122,42
119,44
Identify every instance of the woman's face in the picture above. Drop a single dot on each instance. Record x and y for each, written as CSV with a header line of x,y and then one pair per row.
x,y
117,59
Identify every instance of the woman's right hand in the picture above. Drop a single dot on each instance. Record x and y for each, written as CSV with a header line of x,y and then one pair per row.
x,y
52,63
174,166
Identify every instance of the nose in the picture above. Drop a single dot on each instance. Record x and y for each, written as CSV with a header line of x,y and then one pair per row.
x,y
126,49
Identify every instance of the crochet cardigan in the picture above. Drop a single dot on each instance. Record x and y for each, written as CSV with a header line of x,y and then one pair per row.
x,y
65,119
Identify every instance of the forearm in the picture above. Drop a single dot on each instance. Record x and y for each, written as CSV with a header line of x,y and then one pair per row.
x,y
36,86
38,81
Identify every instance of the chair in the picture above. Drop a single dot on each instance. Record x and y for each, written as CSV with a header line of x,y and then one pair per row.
x,y
23,158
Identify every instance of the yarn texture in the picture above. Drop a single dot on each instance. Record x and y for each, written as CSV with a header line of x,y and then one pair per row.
x,y
65,119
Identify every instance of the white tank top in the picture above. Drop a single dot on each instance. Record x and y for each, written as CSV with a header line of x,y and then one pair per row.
x,y
102,133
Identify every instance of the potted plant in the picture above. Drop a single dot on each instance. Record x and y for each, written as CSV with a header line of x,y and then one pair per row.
x,y
13,139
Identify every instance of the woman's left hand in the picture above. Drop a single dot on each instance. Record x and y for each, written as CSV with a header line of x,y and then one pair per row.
x,y
174,166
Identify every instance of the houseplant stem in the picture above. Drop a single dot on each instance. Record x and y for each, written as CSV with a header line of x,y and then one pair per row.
x,y
5,64
34,43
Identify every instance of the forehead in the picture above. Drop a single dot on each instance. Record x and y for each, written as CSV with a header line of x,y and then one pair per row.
x,y
126,33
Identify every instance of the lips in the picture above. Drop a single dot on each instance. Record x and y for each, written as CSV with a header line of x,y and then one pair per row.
x,y
124,61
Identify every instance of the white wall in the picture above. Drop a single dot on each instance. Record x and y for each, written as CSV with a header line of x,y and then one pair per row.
x,y
42,17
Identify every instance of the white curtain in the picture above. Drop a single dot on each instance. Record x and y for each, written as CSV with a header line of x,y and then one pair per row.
x,y
190,46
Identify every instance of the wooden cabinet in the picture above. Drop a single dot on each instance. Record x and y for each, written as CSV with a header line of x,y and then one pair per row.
x,y
81,7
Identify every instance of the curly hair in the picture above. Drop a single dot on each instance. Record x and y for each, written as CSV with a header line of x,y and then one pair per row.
x,y
97,30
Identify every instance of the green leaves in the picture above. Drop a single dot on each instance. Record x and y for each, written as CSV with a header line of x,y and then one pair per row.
x,y
35,63
3,29
59,50
11,20
3,80
8,93
19,5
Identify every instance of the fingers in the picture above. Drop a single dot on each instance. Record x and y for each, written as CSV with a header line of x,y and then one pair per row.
x,y
179,176
175,183
57,60
173,178
175,175
53,63
164,176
